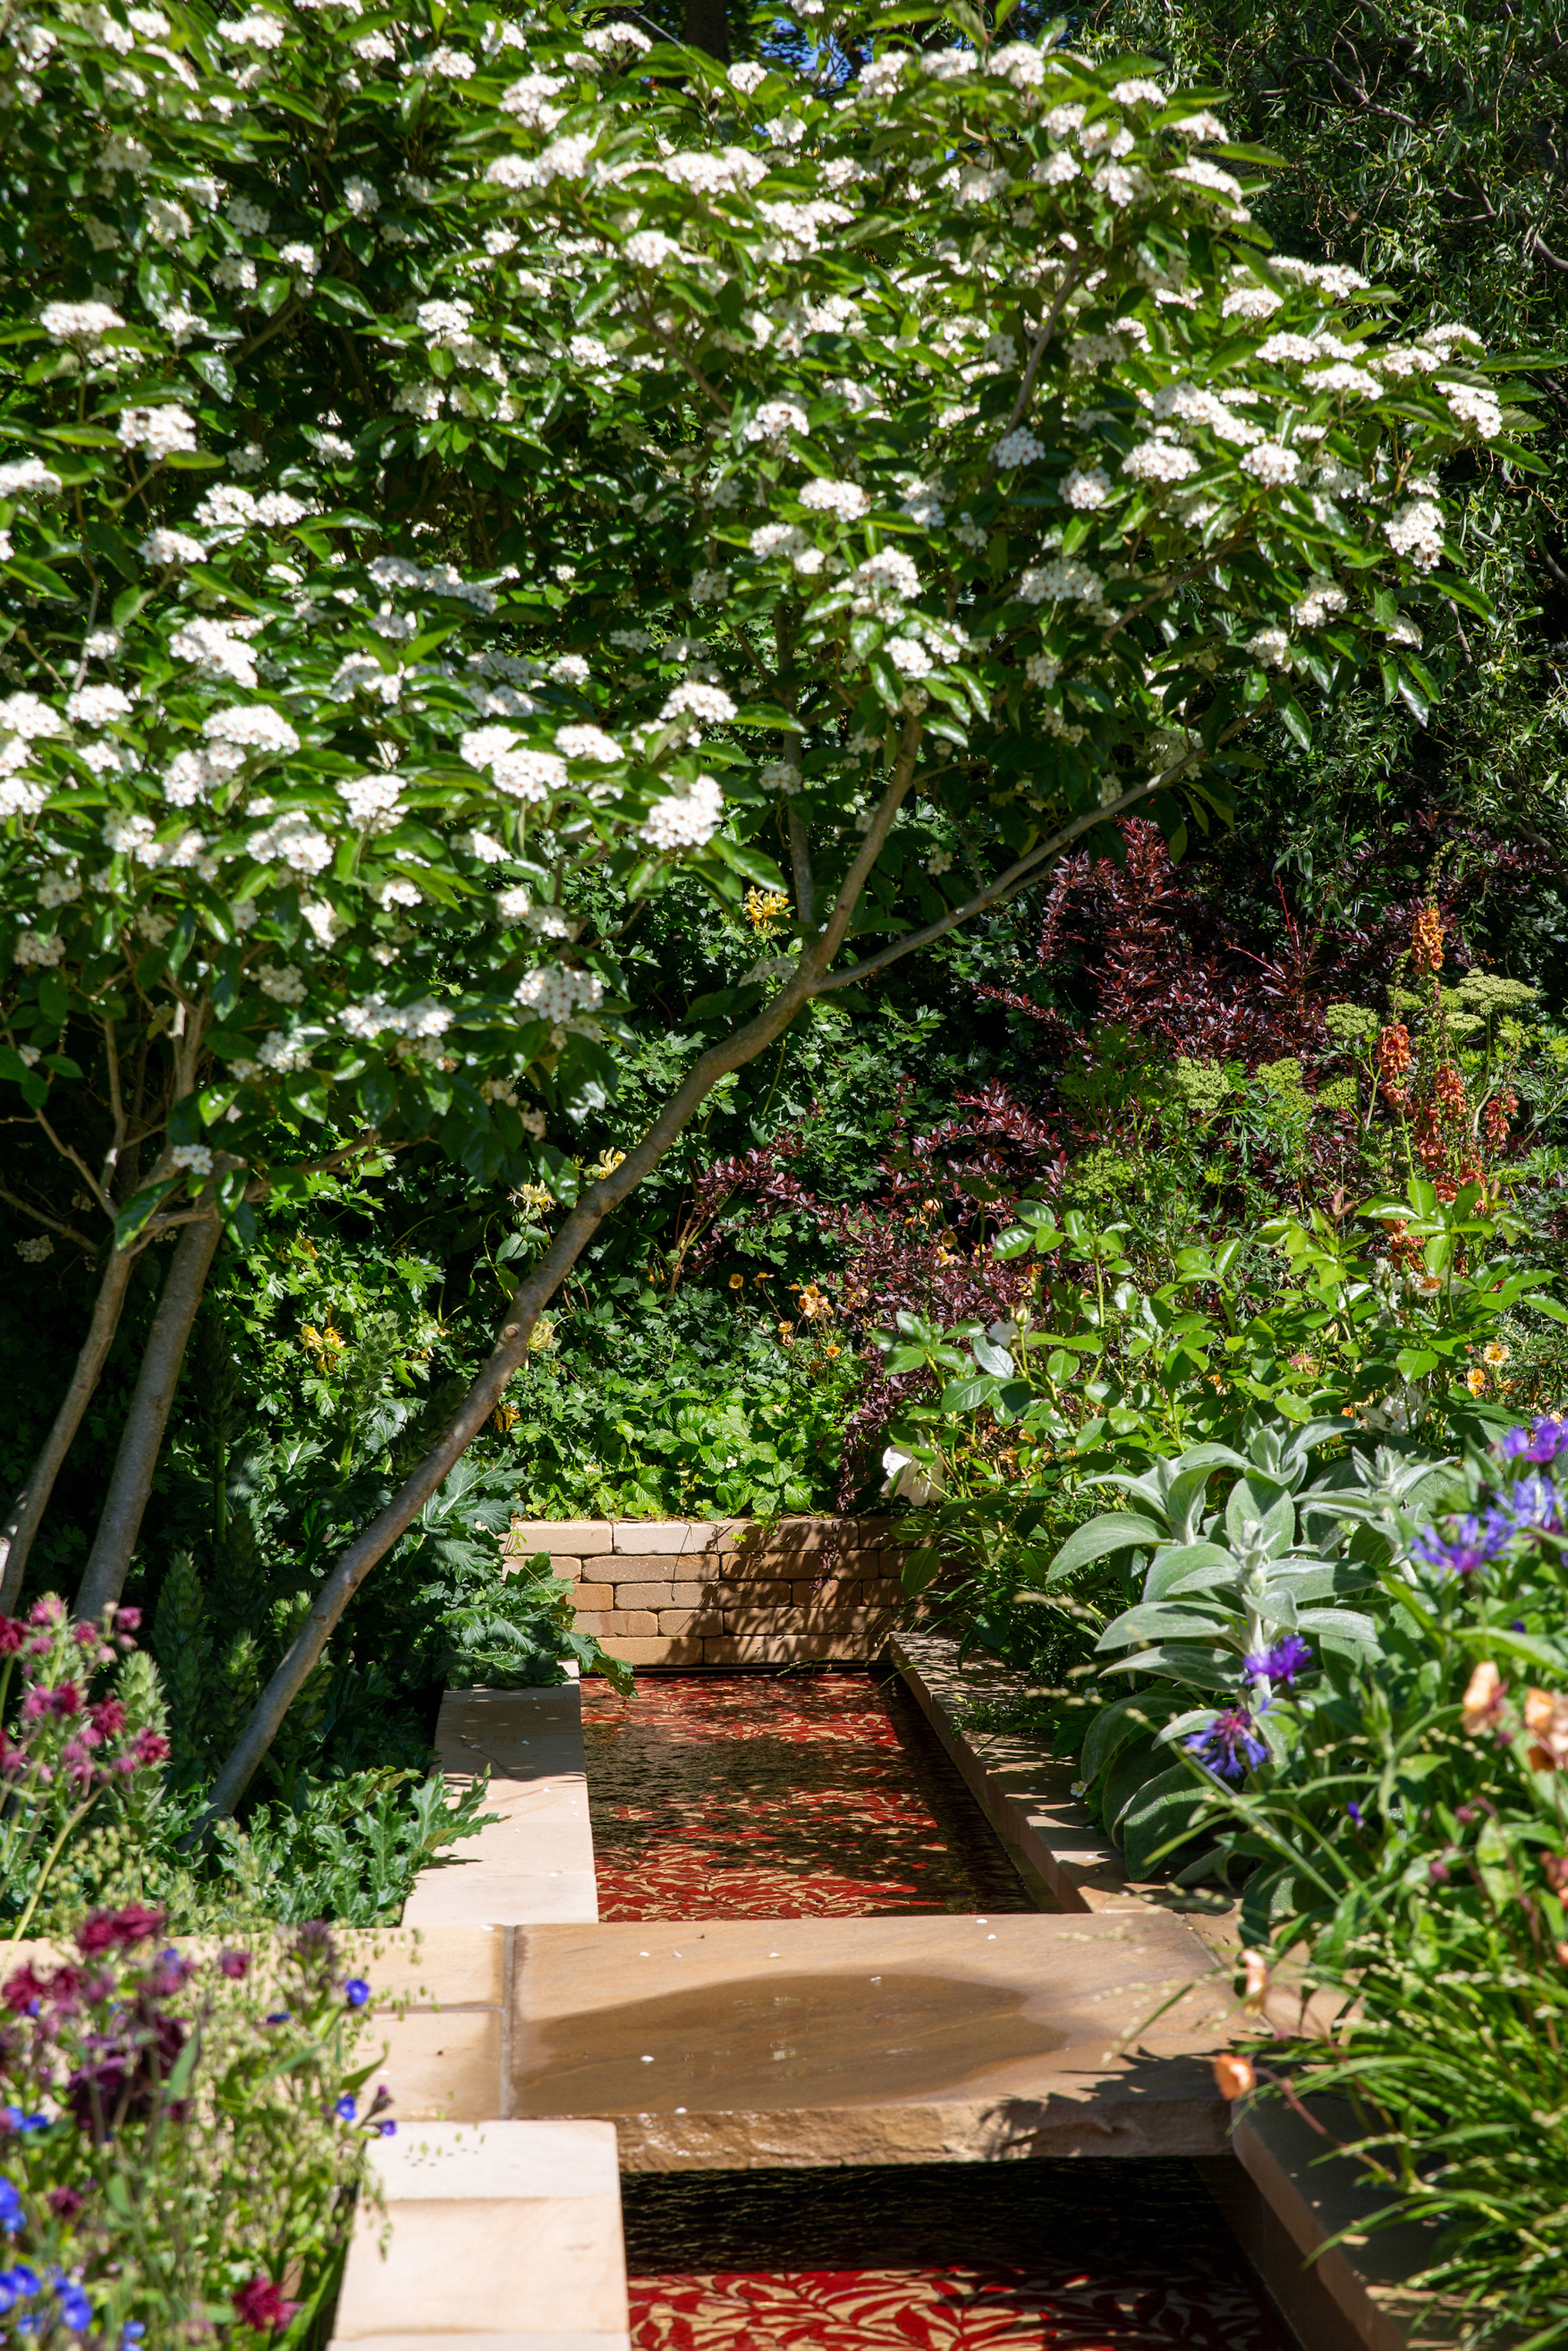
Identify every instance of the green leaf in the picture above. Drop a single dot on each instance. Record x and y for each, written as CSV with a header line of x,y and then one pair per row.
x,y
136,1212
1101,1538
1295,719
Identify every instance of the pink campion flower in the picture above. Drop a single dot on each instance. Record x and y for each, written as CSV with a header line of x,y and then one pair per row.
x,y
23,1991
63,1699
107,1717
261,2305
236,1965
13,1633
151,1747
47,1611
85,1635
76,1762
128,1620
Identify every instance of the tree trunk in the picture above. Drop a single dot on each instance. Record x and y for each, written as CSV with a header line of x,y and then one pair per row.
x,y
131,1482
31,1499
707,27
534,1291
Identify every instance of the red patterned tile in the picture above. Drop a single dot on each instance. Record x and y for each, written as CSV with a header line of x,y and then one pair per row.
x,y
947,2309
780,1796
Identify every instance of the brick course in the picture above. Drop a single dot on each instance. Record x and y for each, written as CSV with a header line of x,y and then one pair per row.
x,y
725,1592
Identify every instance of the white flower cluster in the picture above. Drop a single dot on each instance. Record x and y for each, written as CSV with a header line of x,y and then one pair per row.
x,y
1324,598
374,802
591,742
1159,461
563,159
521,773
78,322
1272,648
885,580
847,500
716,172
190,1159
37,950
708,703
1270,462
216,648
776,420
374,1017
1251,302
1086,487
252,726
228,508
1415,529
1017,447
98,705
688,817
1062,581
29,478
35,1251
554,991
436,579
1474,406
164,549
293,840
194,776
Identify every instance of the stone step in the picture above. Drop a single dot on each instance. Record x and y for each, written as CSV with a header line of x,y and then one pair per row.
x,y
834,2041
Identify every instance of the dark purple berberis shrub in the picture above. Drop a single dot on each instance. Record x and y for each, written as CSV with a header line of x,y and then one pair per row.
x,y
180,2136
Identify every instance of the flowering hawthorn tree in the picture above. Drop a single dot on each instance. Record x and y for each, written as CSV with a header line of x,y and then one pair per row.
x,y
468,473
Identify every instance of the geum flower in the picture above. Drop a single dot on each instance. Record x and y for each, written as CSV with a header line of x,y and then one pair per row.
x,y
1231,1746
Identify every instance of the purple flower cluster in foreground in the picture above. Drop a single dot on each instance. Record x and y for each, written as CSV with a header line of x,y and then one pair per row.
x,y
1530,1506
1230,1745
1288,1656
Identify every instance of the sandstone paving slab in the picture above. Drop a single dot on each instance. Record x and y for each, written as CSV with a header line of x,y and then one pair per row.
x,y
502,2234
872,2040
536,1860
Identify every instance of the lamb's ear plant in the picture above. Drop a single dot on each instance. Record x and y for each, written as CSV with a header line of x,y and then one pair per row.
x,y
1238,1601
1404,1845
574,468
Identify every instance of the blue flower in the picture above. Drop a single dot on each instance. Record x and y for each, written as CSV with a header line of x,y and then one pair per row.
x,y
1353,1811
16,2285
1542,1443
1230,1745
355,1991
347,2107
131,2334
1532,1506
1284,1662
11,2212
1469,1545
389,2130
278,2016
76,2310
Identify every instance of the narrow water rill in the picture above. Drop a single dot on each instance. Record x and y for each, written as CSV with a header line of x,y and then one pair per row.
x,y
782,1795
825,1794
1079,2256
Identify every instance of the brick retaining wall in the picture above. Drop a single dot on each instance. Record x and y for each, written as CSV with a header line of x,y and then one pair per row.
x,y
726,1592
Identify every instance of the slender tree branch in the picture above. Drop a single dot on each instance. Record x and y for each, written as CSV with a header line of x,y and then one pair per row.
x,y
66,1232
536,1289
